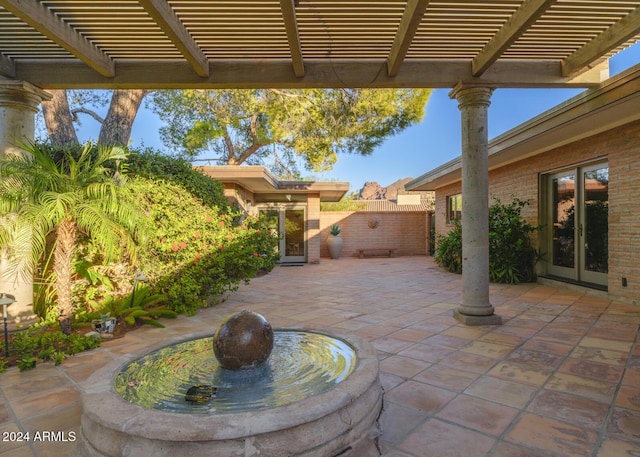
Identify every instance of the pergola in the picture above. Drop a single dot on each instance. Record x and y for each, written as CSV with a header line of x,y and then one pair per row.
x,y
471,46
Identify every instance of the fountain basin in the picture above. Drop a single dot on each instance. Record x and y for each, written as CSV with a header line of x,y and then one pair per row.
x,y
327,424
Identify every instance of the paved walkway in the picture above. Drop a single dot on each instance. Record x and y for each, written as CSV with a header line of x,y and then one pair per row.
x,y
560,377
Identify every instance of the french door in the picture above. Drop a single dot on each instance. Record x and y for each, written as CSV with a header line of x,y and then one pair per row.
x,y
289,222
578,223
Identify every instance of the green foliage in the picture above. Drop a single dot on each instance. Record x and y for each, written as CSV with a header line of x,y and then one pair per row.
x,y
449,249
512,257
142,307
54,197
196,253
335,230
244,125
343,205
154,165
29,345
3,364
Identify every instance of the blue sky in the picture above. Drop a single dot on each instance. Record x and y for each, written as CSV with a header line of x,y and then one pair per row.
x,y
421,147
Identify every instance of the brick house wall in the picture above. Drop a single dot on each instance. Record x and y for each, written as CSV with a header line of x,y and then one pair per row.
x,y
620,147
406,231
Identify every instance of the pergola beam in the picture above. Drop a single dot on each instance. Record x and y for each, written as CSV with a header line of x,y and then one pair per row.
x,y
293,37
42,20
407,28
525,15
618,33
319,73
7,67
166,19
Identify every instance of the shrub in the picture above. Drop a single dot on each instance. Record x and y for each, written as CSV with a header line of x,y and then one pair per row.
x,y
512,257
196,253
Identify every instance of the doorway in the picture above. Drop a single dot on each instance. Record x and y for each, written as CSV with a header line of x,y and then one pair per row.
x,y
289,222
577,224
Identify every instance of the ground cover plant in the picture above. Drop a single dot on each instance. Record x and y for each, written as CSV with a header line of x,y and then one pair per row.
x,y
512,256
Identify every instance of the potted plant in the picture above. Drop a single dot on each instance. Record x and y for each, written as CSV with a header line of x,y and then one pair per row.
x,y
334,242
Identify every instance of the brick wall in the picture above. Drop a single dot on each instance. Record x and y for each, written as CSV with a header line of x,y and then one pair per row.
x,y
621,148
406,231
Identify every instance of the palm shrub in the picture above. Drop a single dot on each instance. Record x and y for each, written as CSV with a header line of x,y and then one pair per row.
x,y
51,196
512,256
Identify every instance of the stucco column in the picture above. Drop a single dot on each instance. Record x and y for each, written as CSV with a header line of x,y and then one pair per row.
x,y
19,103
475,309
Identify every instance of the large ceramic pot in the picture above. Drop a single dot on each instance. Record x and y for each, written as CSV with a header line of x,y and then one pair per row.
x,y
334,243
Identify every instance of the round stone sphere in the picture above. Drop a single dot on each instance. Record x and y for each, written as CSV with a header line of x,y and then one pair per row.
x,y
243,340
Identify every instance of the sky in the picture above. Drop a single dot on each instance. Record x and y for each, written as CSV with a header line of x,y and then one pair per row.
x,y
417,149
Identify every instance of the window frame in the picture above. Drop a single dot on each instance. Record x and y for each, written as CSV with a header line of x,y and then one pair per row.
x,y
454,213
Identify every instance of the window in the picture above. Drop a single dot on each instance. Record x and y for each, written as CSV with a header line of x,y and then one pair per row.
x,y
454,208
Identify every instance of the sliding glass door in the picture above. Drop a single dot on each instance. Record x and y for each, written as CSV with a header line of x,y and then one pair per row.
x,y
577,223
289,222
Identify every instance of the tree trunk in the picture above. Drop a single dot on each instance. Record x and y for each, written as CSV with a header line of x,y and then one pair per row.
x,y
62,264
58,119
116,128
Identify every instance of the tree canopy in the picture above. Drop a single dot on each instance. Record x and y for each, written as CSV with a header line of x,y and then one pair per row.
x,y
310,125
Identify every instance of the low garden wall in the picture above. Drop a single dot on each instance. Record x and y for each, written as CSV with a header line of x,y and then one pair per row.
x,y
406,231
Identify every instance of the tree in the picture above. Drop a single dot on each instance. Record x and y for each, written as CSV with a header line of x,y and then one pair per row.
x,y
246,126
56,195
60,114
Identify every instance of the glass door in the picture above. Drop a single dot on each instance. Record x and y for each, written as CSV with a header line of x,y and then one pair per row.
x,y
594,224
578,224
289,223
562,224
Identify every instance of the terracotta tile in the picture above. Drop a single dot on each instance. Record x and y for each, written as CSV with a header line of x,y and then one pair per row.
x,y
608,344
511,450
577,410
550,347
600,355
446,377
437,438
390,380
65,418
403,366
596,390
631,378
468,362
503,338
398,421
534,358
611,447
629,397
486,349
445,341
419,396
552,436
28,387
592,370
523,373
426,352
412,335
558,336
624,424
477,414
465,332
501,391
391,345
45,401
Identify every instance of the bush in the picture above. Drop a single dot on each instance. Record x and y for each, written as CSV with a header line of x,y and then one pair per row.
x,y
154,165
195,253
512,257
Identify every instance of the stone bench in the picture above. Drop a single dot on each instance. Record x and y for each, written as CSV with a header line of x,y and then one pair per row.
x,y
389,252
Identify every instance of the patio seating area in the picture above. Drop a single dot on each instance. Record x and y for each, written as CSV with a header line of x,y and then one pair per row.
x,y
560,377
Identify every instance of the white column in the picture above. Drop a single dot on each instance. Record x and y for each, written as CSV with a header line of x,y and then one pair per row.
x,y
476,308
19,103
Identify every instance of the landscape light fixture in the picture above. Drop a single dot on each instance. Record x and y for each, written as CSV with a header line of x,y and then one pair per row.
x,y
6,300
138,277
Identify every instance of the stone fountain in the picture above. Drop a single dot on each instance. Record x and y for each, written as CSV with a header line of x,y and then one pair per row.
x,y
287,392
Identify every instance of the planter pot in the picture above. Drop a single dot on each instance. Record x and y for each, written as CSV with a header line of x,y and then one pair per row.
x,y
334,243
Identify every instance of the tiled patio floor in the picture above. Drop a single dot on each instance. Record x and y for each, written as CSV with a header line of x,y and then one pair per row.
x,y
560,377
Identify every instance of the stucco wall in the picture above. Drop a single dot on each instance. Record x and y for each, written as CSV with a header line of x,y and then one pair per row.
x,y
405,231
621,148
